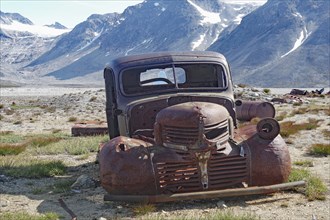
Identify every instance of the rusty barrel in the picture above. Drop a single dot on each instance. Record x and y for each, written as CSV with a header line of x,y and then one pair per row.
x,y
246,110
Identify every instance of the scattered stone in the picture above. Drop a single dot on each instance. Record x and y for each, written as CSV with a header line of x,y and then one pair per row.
x,y
75,191
221,204
298,92
84,182
4,178
4,203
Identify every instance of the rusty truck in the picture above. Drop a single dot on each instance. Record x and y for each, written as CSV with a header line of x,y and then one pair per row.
x,y
173,123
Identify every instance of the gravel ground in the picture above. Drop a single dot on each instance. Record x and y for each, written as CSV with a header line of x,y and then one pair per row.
x,y
49,110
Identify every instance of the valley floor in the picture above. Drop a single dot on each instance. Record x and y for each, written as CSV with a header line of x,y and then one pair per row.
x,y
29,112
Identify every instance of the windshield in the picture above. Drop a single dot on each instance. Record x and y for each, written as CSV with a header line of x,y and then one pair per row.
x,y
169,77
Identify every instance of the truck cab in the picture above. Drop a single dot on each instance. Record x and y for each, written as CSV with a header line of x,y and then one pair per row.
x,y
172,120
138,87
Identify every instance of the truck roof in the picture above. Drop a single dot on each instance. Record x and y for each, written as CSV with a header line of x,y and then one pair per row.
x,y
167,57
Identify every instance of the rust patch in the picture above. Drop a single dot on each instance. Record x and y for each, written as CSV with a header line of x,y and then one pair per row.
x,y
203,159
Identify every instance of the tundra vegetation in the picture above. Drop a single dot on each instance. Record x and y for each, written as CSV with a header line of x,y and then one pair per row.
x,y
44,163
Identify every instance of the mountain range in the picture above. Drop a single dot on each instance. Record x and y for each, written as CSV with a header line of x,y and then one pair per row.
x,y
279,44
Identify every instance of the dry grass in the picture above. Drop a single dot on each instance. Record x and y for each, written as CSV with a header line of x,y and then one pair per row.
x,y
12,148
304,163
28,216
72,119
299,111
320,149
312,109
267,91
281,116
30,167
290,127
326,133
43,140
315,188
143,209
11,144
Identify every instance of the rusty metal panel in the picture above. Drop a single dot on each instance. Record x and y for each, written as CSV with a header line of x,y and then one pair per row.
x,y
179,135
193,125
269,155
125,167
200,171
270,161
228,171
205,194
89,129
178,177
246,110
193,152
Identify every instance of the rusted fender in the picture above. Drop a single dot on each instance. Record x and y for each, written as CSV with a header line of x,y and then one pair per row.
x,y
125,166
246,110
205,194
270,158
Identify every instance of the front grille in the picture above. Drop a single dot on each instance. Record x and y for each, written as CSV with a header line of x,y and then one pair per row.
x,y
178,177
188,136
227,171
223,172
179,135
218,132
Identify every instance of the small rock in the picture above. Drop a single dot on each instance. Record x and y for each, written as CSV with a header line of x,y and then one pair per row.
x,y
4,203
101,218
83,182
221,204
75,191
4,178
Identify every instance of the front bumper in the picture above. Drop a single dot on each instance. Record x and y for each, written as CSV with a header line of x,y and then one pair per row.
x,y
256,190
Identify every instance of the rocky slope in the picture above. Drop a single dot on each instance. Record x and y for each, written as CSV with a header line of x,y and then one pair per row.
x,y
175,25
21,43
282,43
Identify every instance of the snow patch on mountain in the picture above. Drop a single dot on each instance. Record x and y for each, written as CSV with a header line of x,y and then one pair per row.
x,y
303,36
301,39
97,35
41,31
238,18
197,43
209,17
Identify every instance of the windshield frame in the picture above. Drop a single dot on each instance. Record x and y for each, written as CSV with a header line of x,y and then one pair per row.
x,y
176,88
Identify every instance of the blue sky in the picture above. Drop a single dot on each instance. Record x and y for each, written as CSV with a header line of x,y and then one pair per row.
x,y
68,13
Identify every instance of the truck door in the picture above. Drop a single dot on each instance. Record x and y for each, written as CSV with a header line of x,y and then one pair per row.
x,y
111,102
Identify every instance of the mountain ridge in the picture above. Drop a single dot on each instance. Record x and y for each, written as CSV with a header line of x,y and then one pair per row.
x,y
280,43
